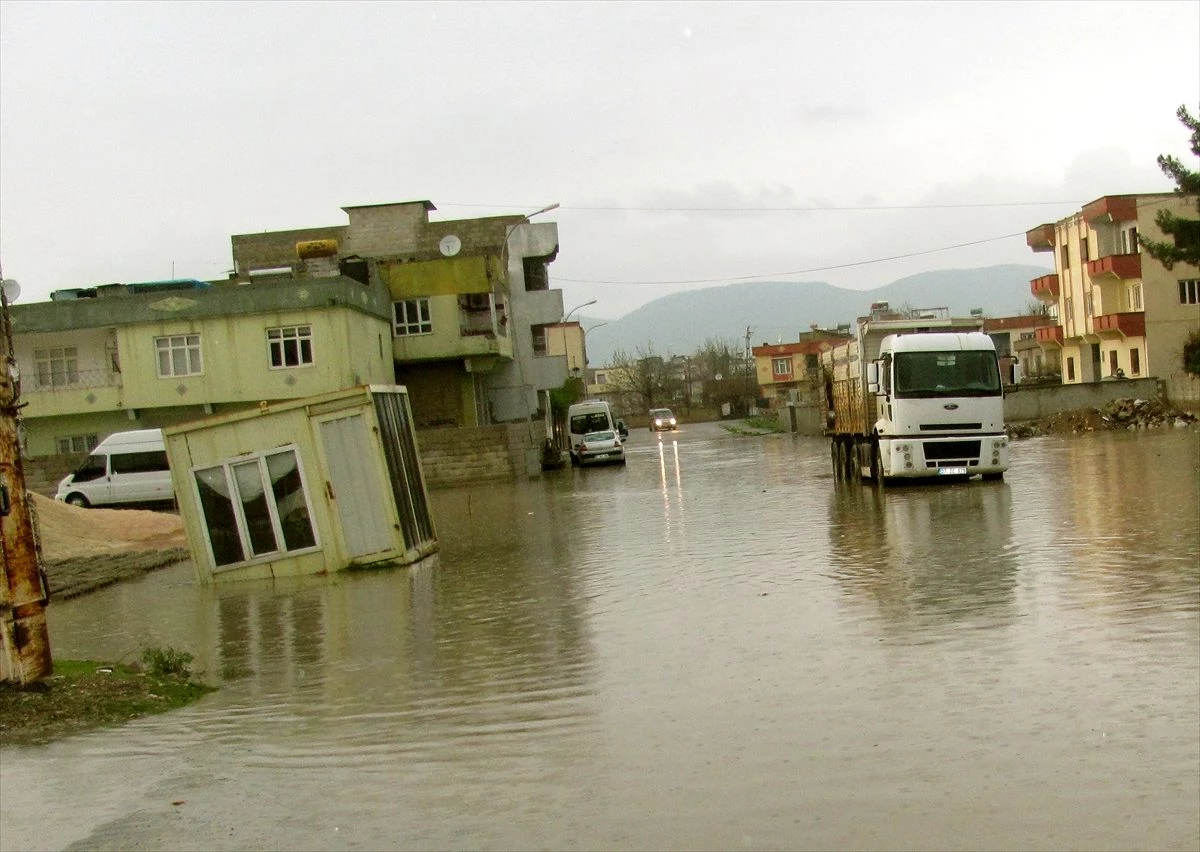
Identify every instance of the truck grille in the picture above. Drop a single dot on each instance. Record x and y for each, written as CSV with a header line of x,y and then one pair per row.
x,y
952,450
951,427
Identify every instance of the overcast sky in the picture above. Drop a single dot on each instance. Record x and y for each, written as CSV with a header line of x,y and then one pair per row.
x,y
688,144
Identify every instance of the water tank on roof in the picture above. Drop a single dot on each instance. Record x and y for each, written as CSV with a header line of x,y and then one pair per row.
x,y
307,249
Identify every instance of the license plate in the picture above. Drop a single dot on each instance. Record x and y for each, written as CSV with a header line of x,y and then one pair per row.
x,y
952,471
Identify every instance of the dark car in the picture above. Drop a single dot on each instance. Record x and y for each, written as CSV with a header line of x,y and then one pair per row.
x,y
661,419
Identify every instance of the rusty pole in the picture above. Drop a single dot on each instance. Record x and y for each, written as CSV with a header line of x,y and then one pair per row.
x,y
24,637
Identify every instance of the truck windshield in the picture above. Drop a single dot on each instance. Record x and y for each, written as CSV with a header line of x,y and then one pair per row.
x,y
932,374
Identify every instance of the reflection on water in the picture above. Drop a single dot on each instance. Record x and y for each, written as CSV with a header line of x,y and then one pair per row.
x,y
927,552
714,646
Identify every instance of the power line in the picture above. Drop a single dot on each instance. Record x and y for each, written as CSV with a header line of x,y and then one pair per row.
x,y
796,271
839,209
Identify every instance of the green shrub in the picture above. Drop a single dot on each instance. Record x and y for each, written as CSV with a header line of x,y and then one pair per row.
x,y
167,662
1191,354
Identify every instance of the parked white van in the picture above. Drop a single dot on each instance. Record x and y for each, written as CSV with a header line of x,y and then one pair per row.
x,y
584,417
126,467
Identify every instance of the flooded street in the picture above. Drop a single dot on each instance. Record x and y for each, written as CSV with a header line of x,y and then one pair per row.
x,y
715,646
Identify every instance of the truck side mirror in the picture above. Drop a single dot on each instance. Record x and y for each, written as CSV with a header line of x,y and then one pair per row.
x,y
873,377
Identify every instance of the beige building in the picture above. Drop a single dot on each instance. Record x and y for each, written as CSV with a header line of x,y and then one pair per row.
x,y
1119,312
456,311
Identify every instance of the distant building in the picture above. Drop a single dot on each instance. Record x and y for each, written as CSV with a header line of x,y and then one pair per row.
x,y
1021,356
1117,310
791,372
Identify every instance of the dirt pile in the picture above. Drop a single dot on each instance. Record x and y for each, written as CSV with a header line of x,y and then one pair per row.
x,y
1118,414
68,532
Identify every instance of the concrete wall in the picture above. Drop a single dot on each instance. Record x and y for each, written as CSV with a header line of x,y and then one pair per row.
x,y
451,457
1038,402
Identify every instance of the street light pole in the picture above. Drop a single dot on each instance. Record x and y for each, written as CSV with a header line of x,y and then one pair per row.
x,y
577,307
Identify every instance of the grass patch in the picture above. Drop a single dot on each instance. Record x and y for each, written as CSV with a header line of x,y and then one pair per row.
x,y
84,695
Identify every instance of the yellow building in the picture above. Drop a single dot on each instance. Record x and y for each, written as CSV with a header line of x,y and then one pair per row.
x,y
1119,311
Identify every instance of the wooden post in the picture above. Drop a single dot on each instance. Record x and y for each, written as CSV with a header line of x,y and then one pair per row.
x,y
24,638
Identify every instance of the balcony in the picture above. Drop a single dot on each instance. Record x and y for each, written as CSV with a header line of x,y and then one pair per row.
x,y
1045,288
1119,266
1040,238
1131,324
70,392
1111,208
1049,335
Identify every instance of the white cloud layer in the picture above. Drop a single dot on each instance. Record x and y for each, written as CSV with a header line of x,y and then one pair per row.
x,y
135,138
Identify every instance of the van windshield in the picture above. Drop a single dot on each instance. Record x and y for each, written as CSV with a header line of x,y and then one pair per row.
x,y
93,467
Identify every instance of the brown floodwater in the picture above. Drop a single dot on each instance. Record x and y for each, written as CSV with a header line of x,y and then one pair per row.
x,y
715,646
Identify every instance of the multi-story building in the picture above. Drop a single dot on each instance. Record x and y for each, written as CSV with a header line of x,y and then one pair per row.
x,y
1119,311
450,309
791,372
1021,357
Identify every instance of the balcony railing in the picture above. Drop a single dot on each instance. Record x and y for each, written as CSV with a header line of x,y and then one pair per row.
x,y
1045,288
1121,266
67,381
1049,334
1131,324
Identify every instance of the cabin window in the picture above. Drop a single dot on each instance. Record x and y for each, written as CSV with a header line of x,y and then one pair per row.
x,y
255,506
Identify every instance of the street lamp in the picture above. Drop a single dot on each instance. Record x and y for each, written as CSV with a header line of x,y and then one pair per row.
x,y
577,307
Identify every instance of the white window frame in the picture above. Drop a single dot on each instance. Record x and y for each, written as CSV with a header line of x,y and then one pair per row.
x,y
1189,291
73,445
178,355
226,466
411,317
293,340
56,366
785,363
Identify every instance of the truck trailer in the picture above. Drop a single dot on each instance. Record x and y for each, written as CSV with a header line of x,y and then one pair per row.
x,y
915,394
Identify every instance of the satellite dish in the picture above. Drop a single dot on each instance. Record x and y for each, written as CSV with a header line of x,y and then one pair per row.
x,y
12,290
450,245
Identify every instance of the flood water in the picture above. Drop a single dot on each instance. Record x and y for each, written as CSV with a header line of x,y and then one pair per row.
x,y
713,647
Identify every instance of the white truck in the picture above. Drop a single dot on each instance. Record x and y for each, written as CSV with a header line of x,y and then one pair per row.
x,y
915,394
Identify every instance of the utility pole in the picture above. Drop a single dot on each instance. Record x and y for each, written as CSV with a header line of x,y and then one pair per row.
x,y
24,593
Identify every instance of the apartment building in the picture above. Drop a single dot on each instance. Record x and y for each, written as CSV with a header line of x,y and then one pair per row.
x,y
1118,311
450,309
791,372
1021,356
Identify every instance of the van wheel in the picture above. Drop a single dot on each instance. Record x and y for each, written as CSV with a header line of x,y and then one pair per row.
x,y
77,500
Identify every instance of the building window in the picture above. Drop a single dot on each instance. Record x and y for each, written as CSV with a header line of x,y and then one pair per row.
x,y
1135,247
1070,369
76,444
57,366
1135,362
602,378
781,366
255,506
178,355
1189,291
1135,297
1083,250
411,316
538,334
1088,304
1113,366
1066,258
537,274
290,346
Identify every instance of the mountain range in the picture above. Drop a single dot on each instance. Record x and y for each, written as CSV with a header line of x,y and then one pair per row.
x,y
777,311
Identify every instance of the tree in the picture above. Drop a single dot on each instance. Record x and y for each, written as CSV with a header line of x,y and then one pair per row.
x,y
1184,247
640,377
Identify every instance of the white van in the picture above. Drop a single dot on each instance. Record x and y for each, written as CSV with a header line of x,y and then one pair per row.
x,y
589,416
126,467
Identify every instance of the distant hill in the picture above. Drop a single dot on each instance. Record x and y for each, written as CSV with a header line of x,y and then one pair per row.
x,y
680,323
